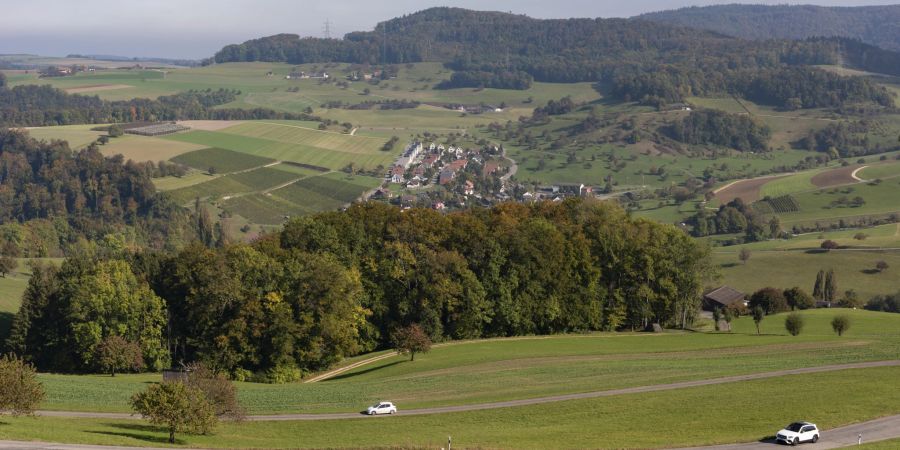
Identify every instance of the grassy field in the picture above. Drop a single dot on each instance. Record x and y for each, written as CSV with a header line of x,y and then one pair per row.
x,y
880,199
222,160
78,136
494,370
883,171
797,261
518,368
143,148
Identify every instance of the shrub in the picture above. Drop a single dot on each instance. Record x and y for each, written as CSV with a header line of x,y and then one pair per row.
x,y
218,389
794,323
829,245
20,391
840,324
798,299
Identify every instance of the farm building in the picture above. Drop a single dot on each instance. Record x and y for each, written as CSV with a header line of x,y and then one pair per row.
x,y
158,129
723,297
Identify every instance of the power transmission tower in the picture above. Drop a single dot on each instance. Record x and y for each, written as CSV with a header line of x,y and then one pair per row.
x,y
327,29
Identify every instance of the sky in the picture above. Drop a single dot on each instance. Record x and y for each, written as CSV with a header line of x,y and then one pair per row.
x,y
196,29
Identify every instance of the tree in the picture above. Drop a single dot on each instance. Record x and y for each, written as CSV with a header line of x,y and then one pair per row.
x,y
829,292
115,131
850,300
20,391
411,339
717,316
798,299
181,409
218,389
774,227
840,324
828,245
758,315
818,292
117,354
7,265
794,323
103,140
770,299
744,255
881,266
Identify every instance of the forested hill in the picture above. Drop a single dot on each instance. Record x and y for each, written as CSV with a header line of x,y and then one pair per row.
x,y
636,59
876,25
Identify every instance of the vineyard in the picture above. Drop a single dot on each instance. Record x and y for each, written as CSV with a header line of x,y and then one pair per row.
x,y
779,205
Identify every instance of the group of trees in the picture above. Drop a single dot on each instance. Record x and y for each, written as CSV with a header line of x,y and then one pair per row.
x,y
734,217
50,196
636,60
337,284
713,127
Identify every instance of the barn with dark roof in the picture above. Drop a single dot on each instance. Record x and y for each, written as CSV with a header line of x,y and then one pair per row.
x,y
723,297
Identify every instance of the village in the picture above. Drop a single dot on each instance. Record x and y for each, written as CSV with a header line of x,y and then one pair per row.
x,y
451,177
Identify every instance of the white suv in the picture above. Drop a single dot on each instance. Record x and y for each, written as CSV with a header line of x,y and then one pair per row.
x,y
381,408
798,432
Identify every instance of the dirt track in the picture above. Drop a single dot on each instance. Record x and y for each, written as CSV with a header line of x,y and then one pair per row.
x,y
97,88
523,402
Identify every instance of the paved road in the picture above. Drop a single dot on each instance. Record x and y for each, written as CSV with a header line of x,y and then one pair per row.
x,y
872,431
527,401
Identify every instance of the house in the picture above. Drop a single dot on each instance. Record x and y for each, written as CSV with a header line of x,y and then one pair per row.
x,y
383,193
439,206
430,160
446,177
457,165
723,297
585,191
469,188
397,173
489,168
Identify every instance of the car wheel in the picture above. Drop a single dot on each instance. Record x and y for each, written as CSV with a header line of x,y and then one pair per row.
x,y
393,412
815,439
795,441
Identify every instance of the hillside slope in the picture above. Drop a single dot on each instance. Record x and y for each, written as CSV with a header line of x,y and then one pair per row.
x,y
875,25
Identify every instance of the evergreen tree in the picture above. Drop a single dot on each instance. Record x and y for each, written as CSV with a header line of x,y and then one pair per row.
x,y
818,288
829,291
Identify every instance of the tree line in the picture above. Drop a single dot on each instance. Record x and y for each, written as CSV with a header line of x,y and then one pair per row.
x,y
35,106
338,284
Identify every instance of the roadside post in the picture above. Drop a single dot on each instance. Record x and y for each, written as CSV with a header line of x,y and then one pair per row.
x,y
859,439
449,442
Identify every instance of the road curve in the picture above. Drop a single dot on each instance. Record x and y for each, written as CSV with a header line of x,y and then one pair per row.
x,y
526,401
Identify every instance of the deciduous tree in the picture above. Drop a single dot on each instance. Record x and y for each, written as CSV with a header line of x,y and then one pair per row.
x,y
744,255
117,354
793,323
177,407
840,324
411,339
758,315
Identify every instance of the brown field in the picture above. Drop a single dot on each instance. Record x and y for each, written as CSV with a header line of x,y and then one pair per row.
x,y
97,88
209,125
746,190
836,177
140,148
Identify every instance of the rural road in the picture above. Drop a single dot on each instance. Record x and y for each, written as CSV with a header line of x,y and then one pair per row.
x,y
872,431
522,402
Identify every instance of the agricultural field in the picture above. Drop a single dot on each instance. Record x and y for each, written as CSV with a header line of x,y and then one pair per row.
x,y
220,160
78,136
235,184
294,143
144,148
474,372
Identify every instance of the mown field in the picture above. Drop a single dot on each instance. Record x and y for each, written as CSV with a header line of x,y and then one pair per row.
x,y
505,369
529,367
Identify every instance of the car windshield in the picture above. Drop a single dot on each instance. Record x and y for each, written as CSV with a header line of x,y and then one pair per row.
x,y
795,427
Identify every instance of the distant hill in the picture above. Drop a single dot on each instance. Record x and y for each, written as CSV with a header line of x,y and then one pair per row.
x,y
875,25
639,60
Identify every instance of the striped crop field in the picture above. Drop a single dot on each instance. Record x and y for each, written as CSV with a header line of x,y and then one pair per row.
x,y
295,143
239,183
309,195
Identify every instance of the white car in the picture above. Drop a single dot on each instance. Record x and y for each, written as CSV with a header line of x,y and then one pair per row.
x,y
381,408
798,432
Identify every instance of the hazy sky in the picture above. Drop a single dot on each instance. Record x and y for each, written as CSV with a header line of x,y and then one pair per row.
x,y
197,28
